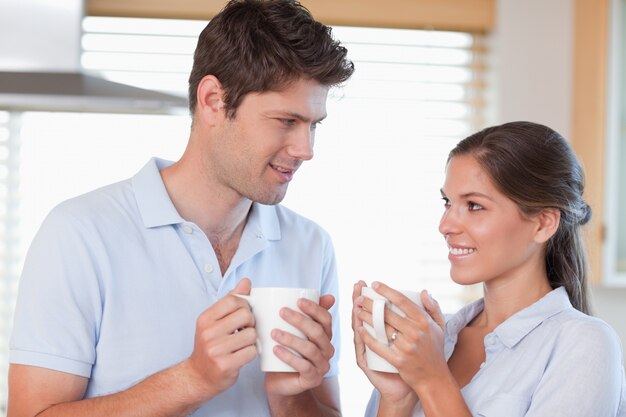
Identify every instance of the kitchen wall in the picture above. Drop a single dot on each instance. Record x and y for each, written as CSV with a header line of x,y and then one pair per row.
x,y
533,45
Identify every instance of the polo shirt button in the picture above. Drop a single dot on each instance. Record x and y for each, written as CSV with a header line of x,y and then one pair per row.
x,y
208,268
187,229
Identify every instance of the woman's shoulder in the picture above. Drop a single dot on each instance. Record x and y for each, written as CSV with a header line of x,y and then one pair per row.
x,y
573,326
575,319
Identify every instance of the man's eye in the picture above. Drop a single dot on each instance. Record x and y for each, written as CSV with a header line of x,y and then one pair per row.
x,y
315,125
288,122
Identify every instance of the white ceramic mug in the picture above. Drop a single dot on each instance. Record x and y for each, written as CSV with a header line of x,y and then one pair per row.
x,y
266,303
374,361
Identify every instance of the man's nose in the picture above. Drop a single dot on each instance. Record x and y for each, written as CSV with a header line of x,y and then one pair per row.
x,y
301,144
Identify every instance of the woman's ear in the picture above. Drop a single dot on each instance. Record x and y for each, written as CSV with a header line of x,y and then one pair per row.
x,y
210,99
548,221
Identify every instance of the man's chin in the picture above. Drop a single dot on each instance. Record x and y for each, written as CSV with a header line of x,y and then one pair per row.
x,y
269,198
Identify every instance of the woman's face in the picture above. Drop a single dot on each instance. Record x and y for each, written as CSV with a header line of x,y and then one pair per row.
x,y
487,235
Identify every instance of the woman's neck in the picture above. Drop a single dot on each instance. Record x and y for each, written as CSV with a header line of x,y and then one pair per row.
x,y
504,298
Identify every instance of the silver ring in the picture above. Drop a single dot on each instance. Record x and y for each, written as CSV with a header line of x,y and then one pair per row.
x,y
394,336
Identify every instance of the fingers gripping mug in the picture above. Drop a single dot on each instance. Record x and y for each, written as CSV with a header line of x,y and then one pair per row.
x,y
266,303
377,330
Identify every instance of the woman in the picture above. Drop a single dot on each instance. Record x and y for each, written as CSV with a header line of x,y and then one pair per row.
x,y
512,221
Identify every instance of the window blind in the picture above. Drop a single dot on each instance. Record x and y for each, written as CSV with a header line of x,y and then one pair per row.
x,y
10,250
373,184
417,90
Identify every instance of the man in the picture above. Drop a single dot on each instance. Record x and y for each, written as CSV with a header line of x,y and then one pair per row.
x,y
125,304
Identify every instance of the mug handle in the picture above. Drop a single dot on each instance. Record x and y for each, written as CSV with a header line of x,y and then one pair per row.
x,y
378,320
248,298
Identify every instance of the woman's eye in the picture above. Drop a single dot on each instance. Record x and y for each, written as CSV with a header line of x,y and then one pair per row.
x,y
474,207
446,202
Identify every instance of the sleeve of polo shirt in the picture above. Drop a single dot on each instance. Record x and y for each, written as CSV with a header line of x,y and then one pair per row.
x,y
330,285
58,305
584,376
372,405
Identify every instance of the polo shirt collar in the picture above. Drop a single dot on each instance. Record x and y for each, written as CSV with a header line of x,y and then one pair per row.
x,y
516,327
156,207
154,203
263,222
513,330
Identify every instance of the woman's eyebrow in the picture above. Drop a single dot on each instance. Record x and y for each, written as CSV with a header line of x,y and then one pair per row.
x,y
469,195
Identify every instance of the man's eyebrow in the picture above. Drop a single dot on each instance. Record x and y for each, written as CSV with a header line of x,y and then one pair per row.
x,y
294,115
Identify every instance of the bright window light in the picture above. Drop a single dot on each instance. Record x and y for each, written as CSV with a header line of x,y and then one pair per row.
x,y
373,184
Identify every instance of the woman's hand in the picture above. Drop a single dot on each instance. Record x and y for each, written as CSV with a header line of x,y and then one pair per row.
x,y
418,349
388,384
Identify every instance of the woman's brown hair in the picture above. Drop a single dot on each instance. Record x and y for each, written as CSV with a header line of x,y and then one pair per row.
x,y
536,168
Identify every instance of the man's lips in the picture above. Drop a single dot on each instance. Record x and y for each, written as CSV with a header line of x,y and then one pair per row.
x,y
285,174
283,169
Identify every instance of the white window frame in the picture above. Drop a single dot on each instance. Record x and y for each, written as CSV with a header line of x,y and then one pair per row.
x,y
612,276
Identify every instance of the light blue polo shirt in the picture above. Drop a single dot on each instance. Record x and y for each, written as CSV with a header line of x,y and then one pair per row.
x,y
548,360
115,279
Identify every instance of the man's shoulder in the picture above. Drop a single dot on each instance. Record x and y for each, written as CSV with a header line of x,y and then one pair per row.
x,y
102,215
104,203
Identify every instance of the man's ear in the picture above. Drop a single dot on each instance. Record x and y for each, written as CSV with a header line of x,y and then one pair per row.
x,y
548,221
210,104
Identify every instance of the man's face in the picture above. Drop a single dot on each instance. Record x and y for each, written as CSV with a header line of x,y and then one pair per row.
x,y
258,151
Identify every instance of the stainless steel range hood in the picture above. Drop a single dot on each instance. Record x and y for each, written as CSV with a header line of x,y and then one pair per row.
x,y
40,65
71,91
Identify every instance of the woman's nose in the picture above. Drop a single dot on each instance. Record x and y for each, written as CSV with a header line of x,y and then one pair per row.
x,y
449,223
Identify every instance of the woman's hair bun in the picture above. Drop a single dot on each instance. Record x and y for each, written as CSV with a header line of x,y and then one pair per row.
x,y
584,214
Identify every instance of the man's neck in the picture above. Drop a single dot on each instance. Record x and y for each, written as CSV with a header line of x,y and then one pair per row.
x,y
220,213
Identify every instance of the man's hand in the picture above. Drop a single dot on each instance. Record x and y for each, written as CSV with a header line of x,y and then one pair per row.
x,y
316,352
224,342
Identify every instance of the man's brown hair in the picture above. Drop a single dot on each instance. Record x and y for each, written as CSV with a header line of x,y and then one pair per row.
x,y
263,45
